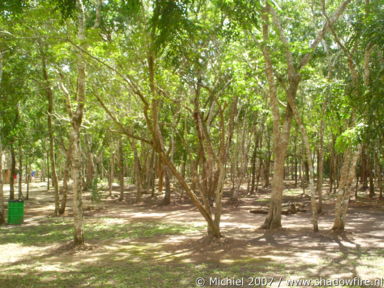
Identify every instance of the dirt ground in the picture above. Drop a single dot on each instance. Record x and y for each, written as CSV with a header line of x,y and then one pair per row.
x,y
294,252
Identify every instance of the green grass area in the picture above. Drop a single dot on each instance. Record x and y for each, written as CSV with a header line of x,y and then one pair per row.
x,y
144,261
129,274
59,230
133,264
293,192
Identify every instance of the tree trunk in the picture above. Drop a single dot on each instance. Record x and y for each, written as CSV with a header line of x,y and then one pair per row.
x,y
253,167
77,187
280,133
111,174
49,94
48,171
137,172
308,161
345,187
320,165
273,219
161,178
364,169
27,177
167,195
371,176
13,173
2,207
77,118
379,176
20,186
332,165
296,162
90,171
267,164
67,171
121,170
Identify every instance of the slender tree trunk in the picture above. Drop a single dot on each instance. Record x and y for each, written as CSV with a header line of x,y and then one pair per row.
x,y
332,165
167,195
253,170
90,171
267,163
49,94
111,174
2,207
258,174
13,173
255,183
77,118
48,172
20,186
296,162
280,138
121,170
67,171
320,165
161,178
77,187
137,172
27,177
364,169
371,176
379,176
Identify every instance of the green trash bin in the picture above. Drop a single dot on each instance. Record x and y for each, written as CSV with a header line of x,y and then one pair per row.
x,y
15,212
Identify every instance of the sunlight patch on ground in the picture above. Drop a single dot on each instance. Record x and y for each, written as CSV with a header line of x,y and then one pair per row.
x,y
49,268
15,252
113,221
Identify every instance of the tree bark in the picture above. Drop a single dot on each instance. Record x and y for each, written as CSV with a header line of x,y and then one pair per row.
x,y
77,118
121,170
13,173
67,171
280,137
345,187
2,207
49,95
20,186
111,173
253,162
371,176
27,178
167,195
380,176
308,153
319,186
48,171
364,169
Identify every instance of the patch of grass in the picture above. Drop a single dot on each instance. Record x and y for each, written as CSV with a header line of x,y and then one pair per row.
x,y
57,230
36,235
262,200
127,274
293,192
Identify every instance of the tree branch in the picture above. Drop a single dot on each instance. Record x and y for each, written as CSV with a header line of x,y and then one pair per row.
x,y
320,35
